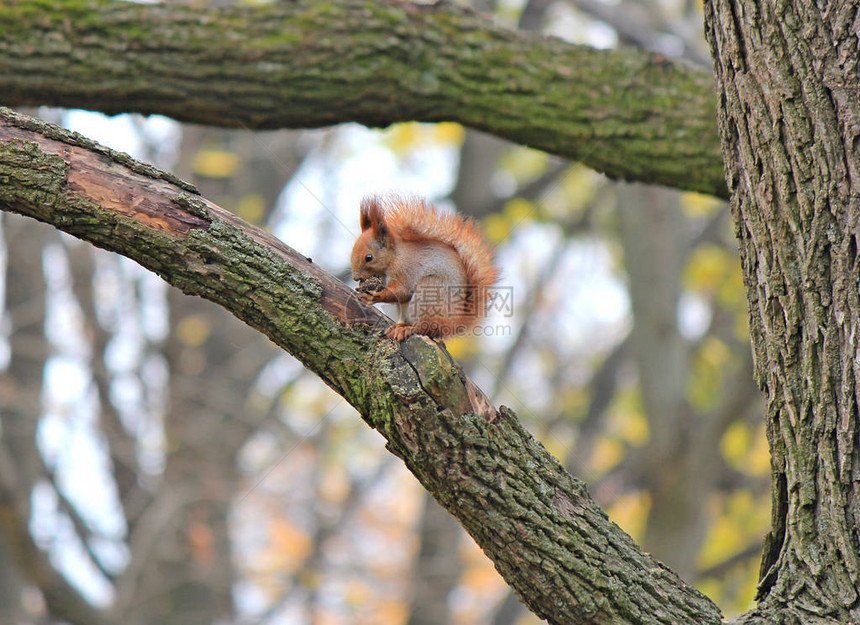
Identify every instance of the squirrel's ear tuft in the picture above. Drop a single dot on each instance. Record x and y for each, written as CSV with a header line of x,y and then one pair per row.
x,y
381,232
373,218
371,212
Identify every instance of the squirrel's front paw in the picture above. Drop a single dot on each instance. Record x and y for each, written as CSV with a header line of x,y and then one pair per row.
x,y
367,287
366,298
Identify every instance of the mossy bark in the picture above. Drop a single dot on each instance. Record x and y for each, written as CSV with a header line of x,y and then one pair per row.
x,y
536,522
789,118
631,114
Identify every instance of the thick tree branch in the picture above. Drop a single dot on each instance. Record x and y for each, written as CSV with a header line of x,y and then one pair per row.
x,y
536,522
789,118
633,115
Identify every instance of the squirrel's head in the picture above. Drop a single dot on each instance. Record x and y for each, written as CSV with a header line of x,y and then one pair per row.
x,y
374,249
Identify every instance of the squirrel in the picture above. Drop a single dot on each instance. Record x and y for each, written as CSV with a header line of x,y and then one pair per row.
x,y
435,266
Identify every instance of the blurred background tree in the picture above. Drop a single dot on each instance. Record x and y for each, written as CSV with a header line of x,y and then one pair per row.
x,y
172,466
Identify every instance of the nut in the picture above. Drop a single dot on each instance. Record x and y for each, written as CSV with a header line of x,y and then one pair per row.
x,y
371,284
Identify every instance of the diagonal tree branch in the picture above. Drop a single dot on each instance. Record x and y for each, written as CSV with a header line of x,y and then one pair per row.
x,y
537,523
631,114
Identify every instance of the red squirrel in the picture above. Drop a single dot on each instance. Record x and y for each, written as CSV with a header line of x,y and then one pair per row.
x,y
435,266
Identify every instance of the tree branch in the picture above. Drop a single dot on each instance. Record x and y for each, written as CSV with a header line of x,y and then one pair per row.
x,y
537,523
634,115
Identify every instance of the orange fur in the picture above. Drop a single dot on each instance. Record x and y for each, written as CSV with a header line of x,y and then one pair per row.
x,y
405,236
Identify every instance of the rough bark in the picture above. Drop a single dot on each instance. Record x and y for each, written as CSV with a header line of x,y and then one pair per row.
x,y
789,117
631,114
537,523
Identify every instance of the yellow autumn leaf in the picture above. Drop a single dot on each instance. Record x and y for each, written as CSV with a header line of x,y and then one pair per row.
x,y
735,444
215,163
699,205
251,208
401,137
556,443
633,427
708,268
575,190
192,331
449,132
630,511
606,454
723,540
709,368
732,292
519,210
746,450
743,520
758,459
745,599
457,346
497,228
741,505
524,163
408,136
711,588
627,418
715,351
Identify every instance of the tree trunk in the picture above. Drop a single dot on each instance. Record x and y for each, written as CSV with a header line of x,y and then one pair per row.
x,y
21,406
789,117
11,586
436,569
679,468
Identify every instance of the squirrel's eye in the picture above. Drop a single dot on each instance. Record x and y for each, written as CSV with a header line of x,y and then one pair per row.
x,y
368,258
